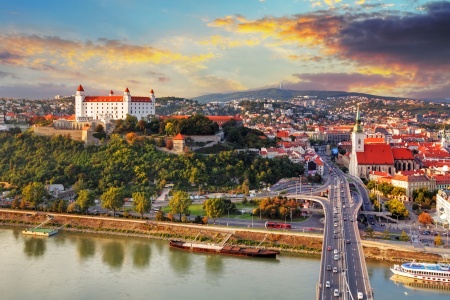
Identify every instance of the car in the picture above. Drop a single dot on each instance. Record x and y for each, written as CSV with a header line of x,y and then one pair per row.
x,y
336,257
370,217
335,231
345,219
327,284
335,270
351,220
336,251
335,224
328,268
329,248
347,241
372,223
336,293
335,236
360,295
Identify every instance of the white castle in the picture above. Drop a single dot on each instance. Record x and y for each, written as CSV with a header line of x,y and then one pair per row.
x,y
88,108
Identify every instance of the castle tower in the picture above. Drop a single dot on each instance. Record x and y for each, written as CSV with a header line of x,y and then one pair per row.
x,y
357,144
153,102
79,99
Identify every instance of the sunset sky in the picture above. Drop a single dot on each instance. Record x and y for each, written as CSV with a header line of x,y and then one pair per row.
x,y
188,48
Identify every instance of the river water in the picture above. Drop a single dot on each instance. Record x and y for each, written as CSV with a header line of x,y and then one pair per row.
x,y
85,266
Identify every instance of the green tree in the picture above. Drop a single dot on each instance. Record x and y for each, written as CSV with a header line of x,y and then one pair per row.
x,y
397,208
34,194
369,231
141,203
179,203
214,208
85,200
79,185
113,199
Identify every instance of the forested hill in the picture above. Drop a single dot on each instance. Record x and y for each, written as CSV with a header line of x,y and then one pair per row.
x,y
133,164
279,94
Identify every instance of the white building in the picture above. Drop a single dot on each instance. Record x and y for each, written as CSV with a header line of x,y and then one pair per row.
x,y
443,206
89,108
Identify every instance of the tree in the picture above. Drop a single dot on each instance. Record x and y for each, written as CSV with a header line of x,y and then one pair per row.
x,y
214,208
85,200
34,194
369,231
397,208
425,218
79,185
179,203
112,198
438,240
386,235
15,203
141,203
404,237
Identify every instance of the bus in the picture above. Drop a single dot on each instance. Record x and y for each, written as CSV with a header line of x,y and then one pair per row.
x,y
277,225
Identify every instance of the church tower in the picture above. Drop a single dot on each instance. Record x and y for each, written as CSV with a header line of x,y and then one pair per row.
x,y
357,144
444,143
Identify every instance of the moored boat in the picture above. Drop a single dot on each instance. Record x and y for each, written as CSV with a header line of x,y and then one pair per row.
x,y
438,272
227,250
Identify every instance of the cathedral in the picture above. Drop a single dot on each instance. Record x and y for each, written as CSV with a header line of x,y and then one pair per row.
x,y
88,108
376,154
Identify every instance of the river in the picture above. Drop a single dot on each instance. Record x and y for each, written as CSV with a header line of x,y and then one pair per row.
x,y
86,266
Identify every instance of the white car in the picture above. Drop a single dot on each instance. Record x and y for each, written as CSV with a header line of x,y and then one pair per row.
x,y
336,251
336,257
360,295
327,284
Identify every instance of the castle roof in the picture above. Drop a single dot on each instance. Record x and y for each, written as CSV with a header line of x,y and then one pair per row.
x,y
115,99
80,88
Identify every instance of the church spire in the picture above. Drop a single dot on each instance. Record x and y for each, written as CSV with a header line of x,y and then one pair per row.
x,y
358,126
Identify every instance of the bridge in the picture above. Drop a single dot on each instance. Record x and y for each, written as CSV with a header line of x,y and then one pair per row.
x,y
343,268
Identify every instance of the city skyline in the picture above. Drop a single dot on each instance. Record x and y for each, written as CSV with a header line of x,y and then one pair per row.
x,y
187,49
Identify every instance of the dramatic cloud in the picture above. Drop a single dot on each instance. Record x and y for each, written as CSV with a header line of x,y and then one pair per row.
x,y
37,51
414,39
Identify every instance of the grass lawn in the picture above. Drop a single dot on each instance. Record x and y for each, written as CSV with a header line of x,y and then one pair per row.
x,y
197,210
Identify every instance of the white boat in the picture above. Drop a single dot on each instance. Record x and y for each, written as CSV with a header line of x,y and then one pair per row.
x,y
438,272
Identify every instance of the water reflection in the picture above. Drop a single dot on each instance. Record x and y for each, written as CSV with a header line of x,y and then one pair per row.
x,y
141,255
85,247
113,254
16,232
214,264
180,261
35,246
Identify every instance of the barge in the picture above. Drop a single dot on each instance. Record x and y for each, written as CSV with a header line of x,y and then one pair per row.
x,y
226,250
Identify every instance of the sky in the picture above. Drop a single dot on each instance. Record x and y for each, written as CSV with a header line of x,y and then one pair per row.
x,y
188,48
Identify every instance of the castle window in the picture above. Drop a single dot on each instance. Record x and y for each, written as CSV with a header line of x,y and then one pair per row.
x,y
359,141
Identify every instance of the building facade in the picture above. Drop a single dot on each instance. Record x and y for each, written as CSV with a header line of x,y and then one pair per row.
x,y
112,107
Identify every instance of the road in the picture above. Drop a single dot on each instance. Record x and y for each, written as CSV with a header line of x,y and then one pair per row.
x,y
342,251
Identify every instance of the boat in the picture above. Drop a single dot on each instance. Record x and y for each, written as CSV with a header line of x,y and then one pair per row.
x,y
438,272
418,284
227,250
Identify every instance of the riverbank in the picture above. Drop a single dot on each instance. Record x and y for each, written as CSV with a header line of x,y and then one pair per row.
x,y
289,241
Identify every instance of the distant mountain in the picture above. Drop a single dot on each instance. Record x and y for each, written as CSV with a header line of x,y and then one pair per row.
x,y
278,94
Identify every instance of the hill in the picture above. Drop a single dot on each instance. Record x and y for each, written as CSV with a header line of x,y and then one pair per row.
x,y
277,94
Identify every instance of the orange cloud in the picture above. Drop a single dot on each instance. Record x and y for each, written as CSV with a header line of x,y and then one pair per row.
x,y
35,51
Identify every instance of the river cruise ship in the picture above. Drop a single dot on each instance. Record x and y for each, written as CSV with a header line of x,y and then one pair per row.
x,y
438,272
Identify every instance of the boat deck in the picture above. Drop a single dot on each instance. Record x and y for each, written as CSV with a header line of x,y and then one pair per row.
x,y
40,231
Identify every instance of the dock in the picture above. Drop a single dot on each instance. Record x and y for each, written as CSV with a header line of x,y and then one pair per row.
x,y
40,231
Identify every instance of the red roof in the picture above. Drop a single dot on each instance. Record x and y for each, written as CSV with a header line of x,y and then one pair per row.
x,y
402,153
376,154
111,92
179,137
374,141
115,99
127,90
152,92
80,88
